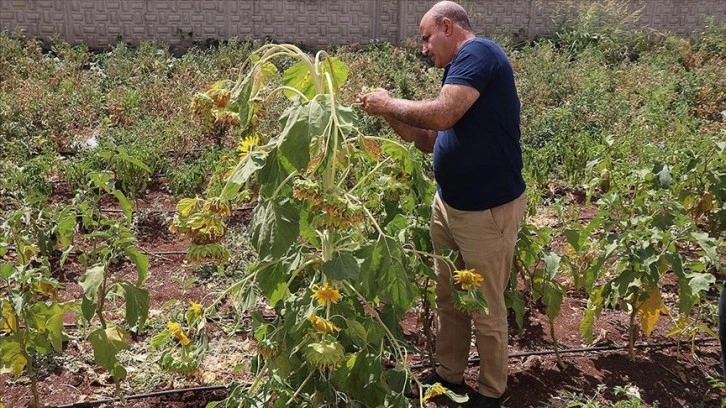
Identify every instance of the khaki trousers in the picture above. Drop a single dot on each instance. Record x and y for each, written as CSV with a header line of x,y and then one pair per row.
x,y
484,241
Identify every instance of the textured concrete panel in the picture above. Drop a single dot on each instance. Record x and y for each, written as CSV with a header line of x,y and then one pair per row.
x,y
313,23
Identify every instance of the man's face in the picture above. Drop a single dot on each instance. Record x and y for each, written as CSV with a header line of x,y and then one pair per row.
x,y
434,41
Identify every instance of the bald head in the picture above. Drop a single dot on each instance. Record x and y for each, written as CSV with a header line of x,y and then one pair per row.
x,y
452,11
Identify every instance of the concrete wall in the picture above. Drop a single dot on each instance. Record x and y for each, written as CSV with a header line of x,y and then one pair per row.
x,y
313,23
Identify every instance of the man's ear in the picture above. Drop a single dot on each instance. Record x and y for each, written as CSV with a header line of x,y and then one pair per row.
x,y
448,26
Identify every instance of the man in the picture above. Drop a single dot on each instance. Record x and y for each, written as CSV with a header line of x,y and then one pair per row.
x,y
472,128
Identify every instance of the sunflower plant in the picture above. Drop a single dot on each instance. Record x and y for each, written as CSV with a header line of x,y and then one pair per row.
x,y
183,344
339,254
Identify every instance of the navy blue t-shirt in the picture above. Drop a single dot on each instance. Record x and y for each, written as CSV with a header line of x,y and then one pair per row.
x,y
478,162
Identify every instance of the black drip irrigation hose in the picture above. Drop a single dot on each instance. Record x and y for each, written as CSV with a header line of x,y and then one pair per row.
x,y
119,211
473,360
167,153
153,253
86,404
611,347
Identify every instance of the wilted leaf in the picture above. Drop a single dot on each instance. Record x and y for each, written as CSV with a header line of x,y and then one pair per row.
x,y
106,344
91,282
650,311
11,358
137,305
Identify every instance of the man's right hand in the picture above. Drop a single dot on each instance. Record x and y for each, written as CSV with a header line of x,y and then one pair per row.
x,y
376,103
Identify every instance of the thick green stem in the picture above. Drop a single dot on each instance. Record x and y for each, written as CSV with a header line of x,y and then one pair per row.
x,y
329,172
435,256
258,378
33,381
365,177
373,220
427,323
632,328
299,389
329,175
328,248
399,351
631,336
288,178
102,298
555,344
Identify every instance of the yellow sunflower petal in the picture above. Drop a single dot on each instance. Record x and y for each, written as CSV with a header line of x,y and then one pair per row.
x,y
434,391
324,294
468,278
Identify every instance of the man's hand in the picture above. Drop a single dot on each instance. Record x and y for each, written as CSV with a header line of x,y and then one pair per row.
x,y
376,103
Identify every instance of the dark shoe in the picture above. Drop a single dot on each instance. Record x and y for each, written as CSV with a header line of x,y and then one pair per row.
x,y
482,401
434,378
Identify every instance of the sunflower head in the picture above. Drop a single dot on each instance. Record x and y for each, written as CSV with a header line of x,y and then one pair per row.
x,y
177,331
323,326
248,144
268,348
324,354
468,278
196,308
325,294
434,391
202,104
470,301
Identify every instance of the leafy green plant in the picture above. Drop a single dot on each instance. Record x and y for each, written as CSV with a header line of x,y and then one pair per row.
x,y
131,173
609,25
702,182
189,176
31,313
538,265
112,242
643,231
31,181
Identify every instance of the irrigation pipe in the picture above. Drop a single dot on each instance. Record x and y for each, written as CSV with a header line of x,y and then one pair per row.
x,y
94,403
154,253
119,211
87,404
612,347
167,153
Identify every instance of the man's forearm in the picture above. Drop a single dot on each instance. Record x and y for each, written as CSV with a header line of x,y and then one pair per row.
x,y
423,139
418,113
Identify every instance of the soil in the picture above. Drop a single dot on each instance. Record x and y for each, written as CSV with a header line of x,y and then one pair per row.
x,y
663,373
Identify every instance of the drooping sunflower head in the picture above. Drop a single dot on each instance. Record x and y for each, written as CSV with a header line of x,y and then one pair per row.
x,y
324,354
468,278
196,308
434,391
248,144
177,331
324,294
322,325
268,348
202,104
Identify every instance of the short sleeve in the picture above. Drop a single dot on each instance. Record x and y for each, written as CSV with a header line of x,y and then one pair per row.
x,y
474,66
